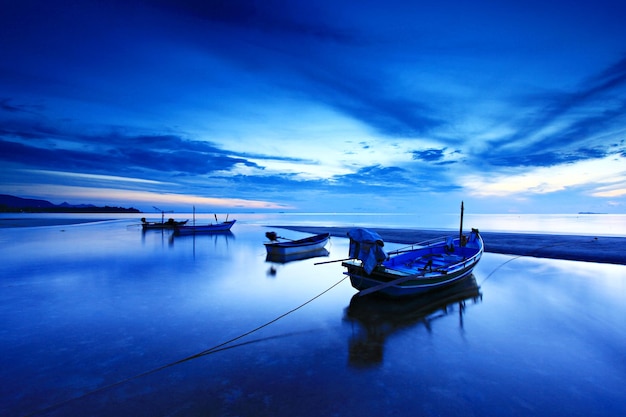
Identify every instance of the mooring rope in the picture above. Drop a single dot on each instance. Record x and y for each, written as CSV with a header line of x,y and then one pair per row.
x,y
217,348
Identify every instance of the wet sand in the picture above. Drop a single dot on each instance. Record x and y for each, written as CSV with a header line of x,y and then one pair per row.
x,y
598,249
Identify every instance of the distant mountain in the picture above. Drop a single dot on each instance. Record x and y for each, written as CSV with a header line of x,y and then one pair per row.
x,y
12,204
66,204
17,202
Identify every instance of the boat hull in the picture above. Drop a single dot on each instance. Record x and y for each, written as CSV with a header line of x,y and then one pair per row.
x,y
210,228
296,247
411,287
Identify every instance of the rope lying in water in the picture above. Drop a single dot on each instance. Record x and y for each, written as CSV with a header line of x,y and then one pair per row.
x,y
214,349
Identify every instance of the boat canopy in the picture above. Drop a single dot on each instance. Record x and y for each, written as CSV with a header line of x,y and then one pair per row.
x,y
366,246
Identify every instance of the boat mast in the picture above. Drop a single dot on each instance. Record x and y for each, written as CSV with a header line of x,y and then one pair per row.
x,y
461,228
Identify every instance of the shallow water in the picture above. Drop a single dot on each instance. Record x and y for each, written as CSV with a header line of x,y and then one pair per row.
x,y
95,316
566,224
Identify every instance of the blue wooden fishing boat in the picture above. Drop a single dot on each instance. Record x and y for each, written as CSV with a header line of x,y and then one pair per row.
x,y
417,269
412,270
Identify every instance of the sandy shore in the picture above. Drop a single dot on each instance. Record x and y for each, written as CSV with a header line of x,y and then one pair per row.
x,y
576,248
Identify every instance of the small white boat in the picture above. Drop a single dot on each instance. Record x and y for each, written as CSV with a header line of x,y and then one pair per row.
x,y
207,228
294,247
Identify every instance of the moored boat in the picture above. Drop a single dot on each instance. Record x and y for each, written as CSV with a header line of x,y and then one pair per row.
x,y
169,224
207,228
413,270
294,247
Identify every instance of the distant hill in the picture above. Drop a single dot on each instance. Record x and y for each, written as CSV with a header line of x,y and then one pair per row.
x,y
12,204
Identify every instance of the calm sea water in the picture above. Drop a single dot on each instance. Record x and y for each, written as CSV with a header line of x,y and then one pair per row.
x,y
98,319
573,224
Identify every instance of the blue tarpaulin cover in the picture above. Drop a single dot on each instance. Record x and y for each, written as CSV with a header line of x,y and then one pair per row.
x,y
366,246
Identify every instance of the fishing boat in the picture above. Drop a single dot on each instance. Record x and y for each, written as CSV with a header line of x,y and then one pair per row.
x,y
169,224
289,247
412,270
194,229
206,228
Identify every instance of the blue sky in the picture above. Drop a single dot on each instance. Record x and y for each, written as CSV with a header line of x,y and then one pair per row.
x,y
324,106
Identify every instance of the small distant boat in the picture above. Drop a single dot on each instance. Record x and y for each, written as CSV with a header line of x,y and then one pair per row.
x,y
207,228
413,270
290,248
194,229
169,224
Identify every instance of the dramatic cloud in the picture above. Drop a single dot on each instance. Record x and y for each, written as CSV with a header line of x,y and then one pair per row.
x,y
315,106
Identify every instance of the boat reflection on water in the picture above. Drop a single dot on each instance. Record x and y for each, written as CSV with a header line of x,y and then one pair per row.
x,y
277,260
216,236
380,317
220,238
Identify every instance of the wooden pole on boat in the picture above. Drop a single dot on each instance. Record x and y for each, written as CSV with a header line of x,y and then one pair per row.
x,y
330,262
461,229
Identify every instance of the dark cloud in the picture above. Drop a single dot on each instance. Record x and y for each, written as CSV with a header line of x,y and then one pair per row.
x,y
130,155
310,52
547,159
186,161
8,106
52,158
262,70
429,155
281,18
367,99
377,179
581,116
